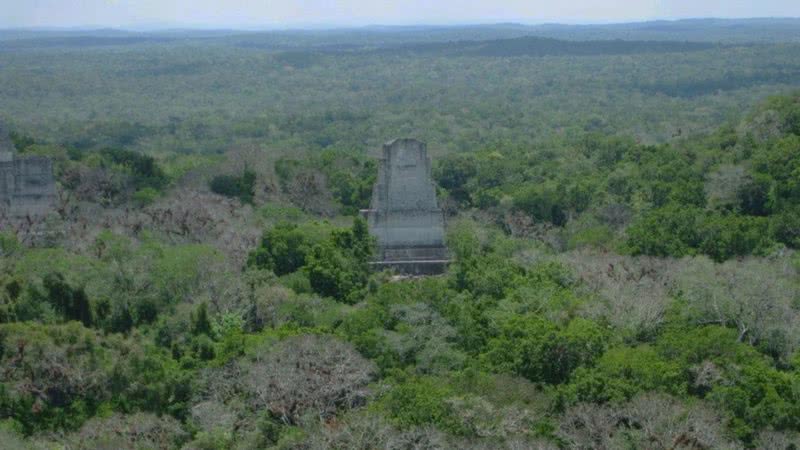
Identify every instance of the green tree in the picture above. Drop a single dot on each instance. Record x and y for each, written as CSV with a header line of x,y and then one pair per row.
x,y
536,349
72,303
144,169
667,231
421,401
241,187
284,249
453,173
201,323
339,268
544,203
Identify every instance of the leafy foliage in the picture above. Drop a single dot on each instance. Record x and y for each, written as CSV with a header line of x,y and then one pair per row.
x,y
241,187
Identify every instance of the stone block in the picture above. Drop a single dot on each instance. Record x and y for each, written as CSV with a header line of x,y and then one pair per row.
x,y
27,186
404,215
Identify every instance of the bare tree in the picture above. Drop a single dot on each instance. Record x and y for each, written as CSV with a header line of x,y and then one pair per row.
x,y
763,126
518,223
588,426
485,420
267,308
632,293
753,295
723,185
210,415
652,421
309,190
140,430
219,384
615,215
95,184
658,421
44,365
776,440
426,337
357,432
308,374
191,216
13,441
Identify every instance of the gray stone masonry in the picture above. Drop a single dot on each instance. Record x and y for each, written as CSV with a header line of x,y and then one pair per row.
x,y
404,215
27,187
6,146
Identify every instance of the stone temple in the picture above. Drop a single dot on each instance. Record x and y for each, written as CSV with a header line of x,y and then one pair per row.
x,y
27,187
404,215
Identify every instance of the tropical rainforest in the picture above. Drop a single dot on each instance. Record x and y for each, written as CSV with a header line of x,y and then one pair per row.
x,y
623,217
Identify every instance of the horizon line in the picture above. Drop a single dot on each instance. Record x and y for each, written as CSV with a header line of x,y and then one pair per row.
x,y
332,26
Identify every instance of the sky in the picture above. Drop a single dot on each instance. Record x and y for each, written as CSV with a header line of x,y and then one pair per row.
x,y
299,13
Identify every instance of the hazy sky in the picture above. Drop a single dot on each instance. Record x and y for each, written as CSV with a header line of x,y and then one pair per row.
x,y
286,13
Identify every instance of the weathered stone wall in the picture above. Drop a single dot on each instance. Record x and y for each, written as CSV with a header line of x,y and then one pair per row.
x,y
404,215
6,146
27,187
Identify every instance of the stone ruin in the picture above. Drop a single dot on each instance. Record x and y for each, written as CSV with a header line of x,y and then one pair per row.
x,y
404,215
27,187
